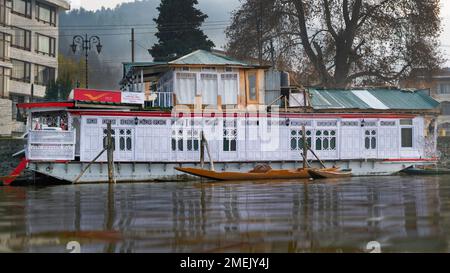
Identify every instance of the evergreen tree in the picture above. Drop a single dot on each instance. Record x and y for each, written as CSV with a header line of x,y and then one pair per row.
x,y
179,30
70,72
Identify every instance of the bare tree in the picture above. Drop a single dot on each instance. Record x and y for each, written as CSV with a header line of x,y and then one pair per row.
x,y
346,41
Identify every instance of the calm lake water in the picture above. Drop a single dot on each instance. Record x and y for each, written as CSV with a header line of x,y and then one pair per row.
x,y
403,214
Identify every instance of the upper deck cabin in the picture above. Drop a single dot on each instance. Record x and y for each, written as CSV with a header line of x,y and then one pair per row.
x,y
204,79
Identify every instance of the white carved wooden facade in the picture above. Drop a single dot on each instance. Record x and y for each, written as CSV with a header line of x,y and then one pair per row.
x,y
251,139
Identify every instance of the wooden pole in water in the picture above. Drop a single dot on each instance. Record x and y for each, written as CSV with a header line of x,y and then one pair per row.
x,y
305,148
202,150
110,149
211,162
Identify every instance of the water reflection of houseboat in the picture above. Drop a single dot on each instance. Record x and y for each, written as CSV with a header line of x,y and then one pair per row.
x,y
233,217
158,117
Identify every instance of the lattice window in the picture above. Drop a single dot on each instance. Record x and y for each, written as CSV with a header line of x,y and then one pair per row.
x,y
350,123
125,140
193,139
297,139
327,123
230,136
326,140
370,139
177,140
387,123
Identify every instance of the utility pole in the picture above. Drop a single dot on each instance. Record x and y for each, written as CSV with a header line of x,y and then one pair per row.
x,y
86,44
132,45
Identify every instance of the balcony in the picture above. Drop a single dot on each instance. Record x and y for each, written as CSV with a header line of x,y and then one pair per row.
x,y
51,145
162,100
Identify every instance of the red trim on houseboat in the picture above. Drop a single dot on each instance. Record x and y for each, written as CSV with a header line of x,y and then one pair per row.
x,y
411,160
303,115
45,105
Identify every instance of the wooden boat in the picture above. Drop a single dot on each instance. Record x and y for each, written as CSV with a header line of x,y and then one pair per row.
x,y
329,173
426,171
252,175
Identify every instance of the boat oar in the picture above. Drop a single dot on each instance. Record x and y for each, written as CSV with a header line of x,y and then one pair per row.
x,y
89,165
205,142
321,162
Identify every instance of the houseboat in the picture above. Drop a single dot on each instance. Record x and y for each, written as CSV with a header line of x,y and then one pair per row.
x,y
249,114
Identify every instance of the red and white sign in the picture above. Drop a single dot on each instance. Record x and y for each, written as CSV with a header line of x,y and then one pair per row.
x,y
108,96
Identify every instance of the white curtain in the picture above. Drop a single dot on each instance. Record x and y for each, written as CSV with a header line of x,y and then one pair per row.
x,y
229,90
209,89
186,86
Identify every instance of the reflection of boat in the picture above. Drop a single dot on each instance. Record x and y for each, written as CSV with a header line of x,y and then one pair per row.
x,y
329,173
256,174
430,170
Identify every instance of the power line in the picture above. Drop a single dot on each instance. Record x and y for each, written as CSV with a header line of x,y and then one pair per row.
x,y
115,26
127,33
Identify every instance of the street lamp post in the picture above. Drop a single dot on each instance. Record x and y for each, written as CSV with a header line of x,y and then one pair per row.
x,y
86,44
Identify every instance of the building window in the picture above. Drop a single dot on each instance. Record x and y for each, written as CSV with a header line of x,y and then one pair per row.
x,y
5,41
407,133
325,140
43,75
125,140
406,122
5,5
252,87
297,139
209,88
407,137
370,139
21,71
45,45
45,14
5,73
16,99
177,140
445,108
209,69
229,89
21,38
193,140
444,88
186,88
22,7
229,136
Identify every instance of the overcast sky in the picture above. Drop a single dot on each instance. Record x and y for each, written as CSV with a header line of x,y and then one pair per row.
x,y
226,6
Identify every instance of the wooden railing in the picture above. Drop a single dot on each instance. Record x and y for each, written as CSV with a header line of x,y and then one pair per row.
x,y
163,100
51,145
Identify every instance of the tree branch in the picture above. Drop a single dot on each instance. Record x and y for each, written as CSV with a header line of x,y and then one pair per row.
x,y
346,12
379,74
328,20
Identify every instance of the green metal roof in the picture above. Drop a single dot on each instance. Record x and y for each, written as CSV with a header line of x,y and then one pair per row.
x,y
203,57
380,99
128,66
198,57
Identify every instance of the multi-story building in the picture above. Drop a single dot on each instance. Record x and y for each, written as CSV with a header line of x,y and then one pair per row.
x,y
28,55
438,83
